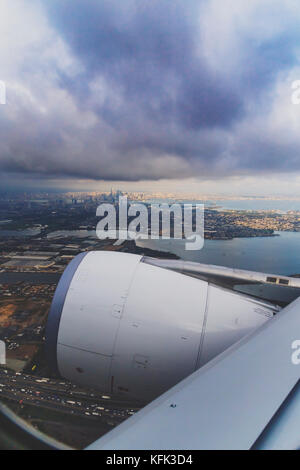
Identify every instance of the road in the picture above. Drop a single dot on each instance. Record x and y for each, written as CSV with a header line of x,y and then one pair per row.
x,y
62,396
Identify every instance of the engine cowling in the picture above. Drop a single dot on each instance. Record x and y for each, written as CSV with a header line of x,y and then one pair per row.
x,y
133,329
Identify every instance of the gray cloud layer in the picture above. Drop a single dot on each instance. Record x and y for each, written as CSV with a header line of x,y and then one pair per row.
x,y
136,90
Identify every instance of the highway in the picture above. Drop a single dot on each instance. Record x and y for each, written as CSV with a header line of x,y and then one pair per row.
x,y
61,396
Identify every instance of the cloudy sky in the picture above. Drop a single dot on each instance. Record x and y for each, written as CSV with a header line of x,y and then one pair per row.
x,y
185,95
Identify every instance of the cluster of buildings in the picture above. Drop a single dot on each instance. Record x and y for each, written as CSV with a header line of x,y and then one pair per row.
x,y
50,255
27,290
271,221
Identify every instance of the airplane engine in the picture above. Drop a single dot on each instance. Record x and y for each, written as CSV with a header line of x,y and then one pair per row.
x,y
126,327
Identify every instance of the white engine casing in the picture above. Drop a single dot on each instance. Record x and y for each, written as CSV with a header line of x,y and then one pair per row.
x,y
129,328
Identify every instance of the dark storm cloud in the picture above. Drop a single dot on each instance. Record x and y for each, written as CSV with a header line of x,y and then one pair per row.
x,y
149,51
133,89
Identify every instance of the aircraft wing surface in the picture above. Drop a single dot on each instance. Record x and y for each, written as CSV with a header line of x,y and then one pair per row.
x,y
248,396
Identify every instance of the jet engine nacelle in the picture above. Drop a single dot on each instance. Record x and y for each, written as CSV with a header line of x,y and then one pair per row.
x,y
130,328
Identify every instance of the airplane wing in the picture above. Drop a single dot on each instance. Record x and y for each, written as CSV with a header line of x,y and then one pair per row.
x,y
248,397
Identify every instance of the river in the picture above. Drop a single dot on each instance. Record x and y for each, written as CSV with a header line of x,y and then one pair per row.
x,y
280,255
